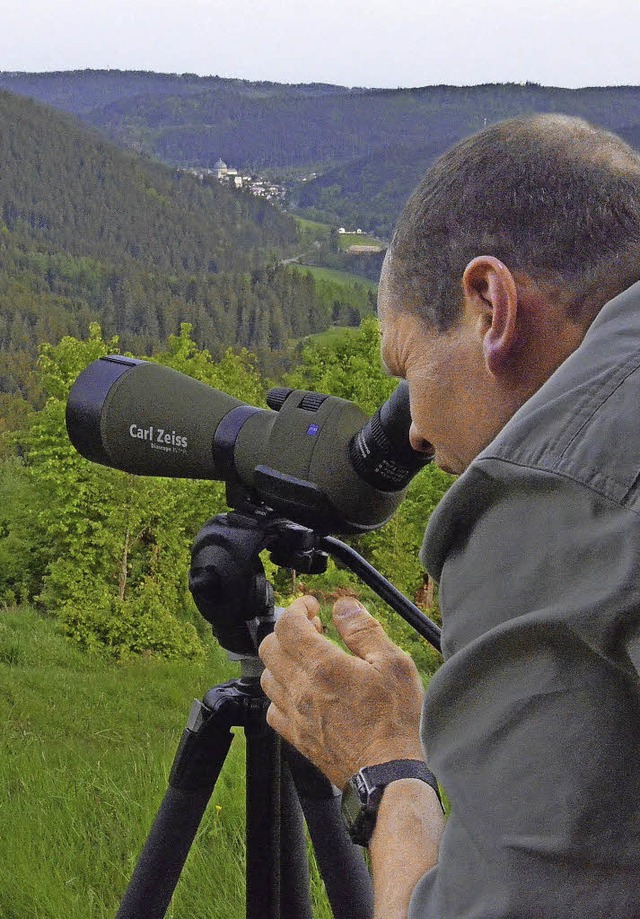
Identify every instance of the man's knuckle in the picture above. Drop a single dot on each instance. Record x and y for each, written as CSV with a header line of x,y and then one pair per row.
x,y
405,662
275,719
368,629
266,646
323,669
398,664
287,627
280,626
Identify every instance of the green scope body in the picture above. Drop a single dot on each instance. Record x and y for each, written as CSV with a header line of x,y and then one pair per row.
x,y
316,459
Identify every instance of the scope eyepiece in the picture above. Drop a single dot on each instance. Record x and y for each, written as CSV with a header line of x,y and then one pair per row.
x,y
381,452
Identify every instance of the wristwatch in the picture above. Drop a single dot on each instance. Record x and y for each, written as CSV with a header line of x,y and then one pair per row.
x,y
363,792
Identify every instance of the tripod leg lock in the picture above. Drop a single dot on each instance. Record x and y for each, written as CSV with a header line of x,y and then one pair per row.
x,y
202,750
207,737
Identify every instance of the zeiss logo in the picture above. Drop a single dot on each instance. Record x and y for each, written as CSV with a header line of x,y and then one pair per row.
x,y
158,438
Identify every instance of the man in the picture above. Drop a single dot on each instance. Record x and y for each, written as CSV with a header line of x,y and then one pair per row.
x,y
508,301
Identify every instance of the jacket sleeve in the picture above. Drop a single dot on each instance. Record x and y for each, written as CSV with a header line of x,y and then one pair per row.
x,y
532,724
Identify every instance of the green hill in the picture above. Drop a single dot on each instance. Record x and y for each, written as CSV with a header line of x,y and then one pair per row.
x,y
371,191
369,146
89,232
81,91
193,120
64,186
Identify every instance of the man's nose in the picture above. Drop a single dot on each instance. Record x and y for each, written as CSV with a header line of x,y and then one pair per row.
x,y
419,444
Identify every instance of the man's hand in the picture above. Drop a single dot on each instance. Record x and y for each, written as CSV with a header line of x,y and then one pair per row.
x,y
342,711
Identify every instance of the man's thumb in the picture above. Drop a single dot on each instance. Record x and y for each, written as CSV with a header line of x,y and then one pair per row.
x,y
361,633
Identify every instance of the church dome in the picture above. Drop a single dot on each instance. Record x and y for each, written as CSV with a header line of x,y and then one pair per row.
x,y
220,165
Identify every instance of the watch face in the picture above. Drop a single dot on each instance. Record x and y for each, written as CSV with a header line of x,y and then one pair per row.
x,y
351,805
359,809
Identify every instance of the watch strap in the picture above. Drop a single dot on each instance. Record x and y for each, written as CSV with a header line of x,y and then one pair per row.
x,y
363,793
385,773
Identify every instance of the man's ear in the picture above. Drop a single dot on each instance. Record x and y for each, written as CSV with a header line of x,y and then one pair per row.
x,y
491,300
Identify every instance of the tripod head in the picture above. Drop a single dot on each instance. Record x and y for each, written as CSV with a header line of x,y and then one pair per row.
x,y
227,578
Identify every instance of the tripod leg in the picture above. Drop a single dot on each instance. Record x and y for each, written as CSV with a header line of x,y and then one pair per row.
x,y
295,894
263,822
341,863
200,757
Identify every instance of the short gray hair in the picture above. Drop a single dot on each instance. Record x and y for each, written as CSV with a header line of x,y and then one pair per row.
x,y
549,195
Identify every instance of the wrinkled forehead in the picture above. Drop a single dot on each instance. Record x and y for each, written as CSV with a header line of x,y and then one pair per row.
x,y
388,299
392,319
385,283
398,336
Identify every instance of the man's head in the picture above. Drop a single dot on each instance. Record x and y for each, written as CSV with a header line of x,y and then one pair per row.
x,y
503,256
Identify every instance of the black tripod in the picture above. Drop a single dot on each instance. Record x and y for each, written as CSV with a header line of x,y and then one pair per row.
x,y
283,789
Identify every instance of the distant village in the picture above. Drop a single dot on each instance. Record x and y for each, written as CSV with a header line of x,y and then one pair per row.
x,y
271,191
255,185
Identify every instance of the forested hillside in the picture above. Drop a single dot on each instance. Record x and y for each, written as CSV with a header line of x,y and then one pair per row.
x,y
89,232
63,186
81,91
194,120
371,191
369,146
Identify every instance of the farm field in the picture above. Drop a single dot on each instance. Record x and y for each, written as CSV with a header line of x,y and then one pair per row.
x,y
333,274
346,240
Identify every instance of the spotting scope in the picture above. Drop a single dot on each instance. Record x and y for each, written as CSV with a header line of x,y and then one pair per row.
x,y
316,459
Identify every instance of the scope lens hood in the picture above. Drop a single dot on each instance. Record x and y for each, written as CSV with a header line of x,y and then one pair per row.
x,y
86,401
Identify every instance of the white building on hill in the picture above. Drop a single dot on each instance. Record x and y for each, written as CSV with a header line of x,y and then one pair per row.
x,y
222,171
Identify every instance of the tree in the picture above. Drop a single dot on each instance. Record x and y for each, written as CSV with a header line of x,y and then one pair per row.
x,y
112,550
108,553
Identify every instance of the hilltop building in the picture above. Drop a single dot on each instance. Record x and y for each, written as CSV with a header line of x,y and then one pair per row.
x,y
223,171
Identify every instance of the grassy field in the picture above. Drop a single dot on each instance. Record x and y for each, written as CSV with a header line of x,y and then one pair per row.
x,y
345,240
312,225
332,274
332,335
85,751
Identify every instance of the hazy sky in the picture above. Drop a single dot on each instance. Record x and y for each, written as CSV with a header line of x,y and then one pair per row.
x,y
350,42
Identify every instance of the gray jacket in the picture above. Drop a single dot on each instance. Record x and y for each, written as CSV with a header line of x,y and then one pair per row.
x,y
532,724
